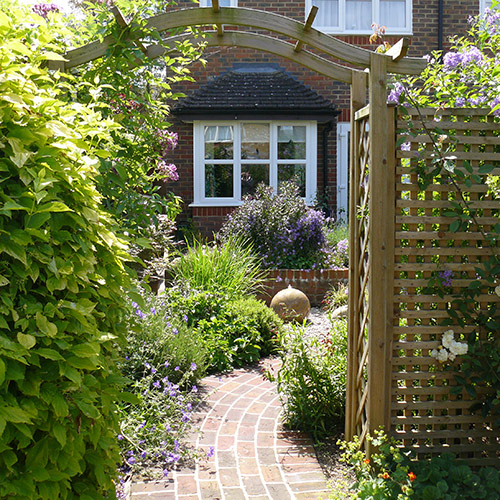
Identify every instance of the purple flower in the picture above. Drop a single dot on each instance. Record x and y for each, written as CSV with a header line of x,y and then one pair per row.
x,y
166,364
210,452
119,437
131,460
193,367
144,454
452,60
472,55
494,103
445,277
157,384
175,331
194,389
165,472
185,318
42,9
177,368
395,93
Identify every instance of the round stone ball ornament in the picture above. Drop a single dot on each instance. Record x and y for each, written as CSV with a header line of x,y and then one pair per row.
x,y
291,304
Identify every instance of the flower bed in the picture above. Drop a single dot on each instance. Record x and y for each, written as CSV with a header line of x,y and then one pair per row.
x,y
313,282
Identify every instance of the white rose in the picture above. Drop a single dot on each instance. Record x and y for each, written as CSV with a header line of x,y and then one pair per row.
x,y
448,338
497,290
442,355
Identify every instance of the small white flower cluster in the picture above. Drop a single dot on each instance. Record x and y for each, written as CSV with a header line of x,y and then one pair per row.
x,y
450,348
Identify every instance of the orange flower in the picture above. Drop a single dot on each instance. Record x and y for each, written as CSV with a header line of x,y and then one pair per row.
x,y
412,476
385,475
366,460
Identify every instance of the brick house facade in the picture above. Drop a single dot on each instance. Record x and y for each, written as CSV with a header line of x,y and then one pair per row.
x,y
428,23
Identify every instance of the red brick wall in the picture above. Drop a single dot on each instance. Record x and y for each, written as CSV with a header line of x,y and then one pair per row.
x,y
423,41
313,282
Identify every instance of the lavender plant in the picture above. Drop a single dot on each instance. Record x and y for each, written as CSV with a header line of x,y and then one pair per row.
x,y
283,230
153,427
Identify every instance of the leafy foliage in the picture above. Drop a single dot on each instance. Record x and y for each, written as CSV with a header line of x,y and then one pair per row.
x,y
283,230
241,333
61,279
392,474
311,381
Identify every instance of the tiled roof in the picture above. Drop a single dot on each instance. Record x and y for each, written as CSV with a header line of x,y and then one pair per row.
x,y
238,94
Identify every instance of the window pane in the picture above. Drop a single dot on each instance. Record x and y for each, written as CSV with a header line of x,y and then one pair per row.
x,y
255,141
328,13
296,173
222,3
393,13
252,176
218,142
291,142
358,15
218,181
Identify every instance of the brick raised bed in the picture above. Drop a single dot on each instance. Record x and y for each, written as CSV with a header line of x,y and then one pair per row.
x,y
313,282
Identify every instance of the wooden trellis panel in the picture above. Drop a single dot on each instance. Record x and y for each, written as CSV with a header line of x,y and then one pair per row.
x,y
389,305
425,415
358,294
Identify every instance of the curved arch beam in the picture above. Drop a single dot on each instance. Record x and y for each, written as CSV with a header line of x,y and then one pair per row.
x,y
266,44
269,21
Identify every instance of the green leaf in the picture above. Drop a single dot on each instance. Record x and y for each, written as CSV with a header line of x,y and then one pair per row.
x,y
15,414
3,423
2,372
49,354
128,397
60,405
26,340
455,226
84,350
59,433
45,326
53,206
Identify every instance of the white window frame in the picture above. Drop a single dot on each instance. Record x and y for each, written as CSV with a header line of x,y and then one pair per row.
x,y
199,160
208,3
483,4
375,19
343,132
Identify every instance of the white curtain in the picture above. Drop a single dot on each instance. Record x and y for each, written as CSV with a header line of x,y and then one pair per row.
x,y
358,15
218,133
393,13
328,13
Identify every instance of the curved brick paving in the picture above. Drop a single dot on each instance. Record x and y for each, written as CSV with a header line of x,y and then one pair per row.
x,y
254,457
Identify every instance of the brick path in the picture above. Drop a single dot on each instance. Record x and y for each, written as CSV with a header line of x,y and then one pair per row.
x,y
254,457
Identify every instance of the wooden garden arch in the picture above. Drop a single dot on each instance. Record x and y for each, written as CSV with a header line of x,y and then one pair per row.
x,y
372,145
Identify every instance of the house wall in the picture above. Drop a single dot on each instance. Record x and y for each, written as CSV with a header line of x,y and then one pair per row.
x,y
221,59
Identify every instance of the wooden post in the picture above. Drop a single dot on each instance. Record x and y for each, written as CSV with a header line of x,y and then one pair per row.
x,y
307,26
358,100
380,215
216,8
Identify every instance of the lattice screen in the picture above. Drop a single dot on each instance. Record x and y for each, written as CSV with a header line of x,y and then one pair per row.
x,y
424,414
359,347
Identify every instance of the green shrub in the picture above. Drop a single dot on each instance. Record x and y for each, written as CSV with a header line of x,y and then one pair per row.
x,y
311,381
392,474
264,319
240,334
229,268
61,281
